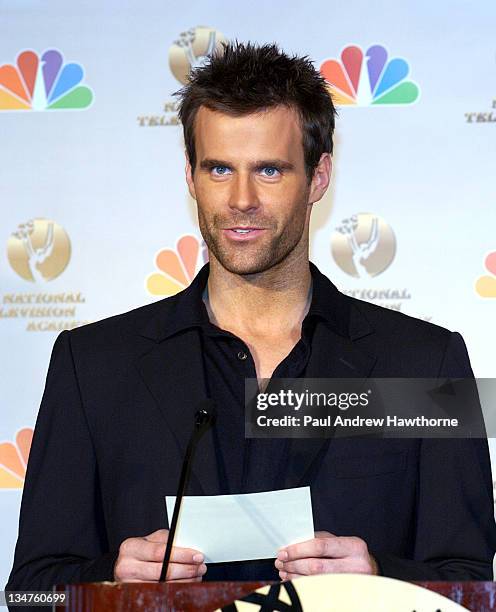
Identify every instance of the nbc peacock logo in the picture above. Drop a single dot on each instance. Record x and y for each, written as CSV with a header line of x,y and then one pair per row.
x,y
486,284
177,267
14,459
370,78
43,83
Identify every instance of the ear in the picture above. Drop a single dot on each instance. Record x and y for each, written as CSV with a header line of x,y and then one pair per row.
x,y
189,178
321,178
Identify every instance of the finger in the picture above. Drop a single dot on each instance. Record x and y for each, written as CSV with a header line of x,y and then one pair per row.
x,y
288,576
316,547
144,571
324,534
186,555
160,535
199,579
334,547
308,567
312,567
183,572
144,550
138,580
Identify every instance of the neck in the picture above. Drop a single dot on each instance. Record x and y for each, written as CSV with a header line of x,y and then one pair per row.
x,y
268,303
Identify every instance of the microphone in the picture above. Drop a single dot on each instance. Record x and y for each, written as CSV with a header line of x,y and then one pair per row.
x,y
204,419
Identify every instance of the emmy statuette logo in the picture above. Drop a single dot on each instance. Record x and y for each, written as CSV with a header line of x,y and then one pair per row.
x,y
363,245
192,49
39,250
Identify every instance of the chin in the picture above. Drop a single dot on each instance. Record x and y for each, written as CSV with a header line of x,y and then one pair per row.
x,y
248,265
254,259
244,267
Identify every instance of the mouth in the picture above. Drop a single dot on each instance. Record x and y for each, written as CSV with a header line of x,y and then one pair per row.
x,y
243,233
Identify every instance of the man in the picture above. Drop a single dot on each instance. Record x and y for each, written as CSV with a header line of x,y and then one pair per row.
x,y
121,394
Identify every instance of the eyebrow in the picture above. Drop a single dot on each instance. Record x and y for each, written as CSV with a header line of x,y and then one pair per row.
x,y
281,164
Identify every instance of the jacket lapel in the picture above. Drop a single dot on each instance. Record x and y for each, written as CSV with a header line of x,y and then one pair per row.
x,y
333,356
173,371
174,374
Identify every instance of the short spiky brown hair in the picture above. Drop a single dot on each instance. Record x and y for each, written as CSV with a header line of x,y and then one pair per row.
x,y
245,78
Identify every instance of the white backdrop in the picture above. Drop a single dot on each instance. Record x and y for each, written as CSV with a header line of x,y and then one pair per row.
x,y
105,172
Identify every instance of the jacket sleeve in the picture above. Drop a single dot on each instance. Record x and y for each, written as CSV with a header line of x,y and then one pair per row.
x,y
62,535
455,536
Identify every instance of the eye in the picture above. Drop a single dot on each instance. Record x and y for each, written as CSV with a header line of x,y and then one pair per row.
x,y
270,171
220,170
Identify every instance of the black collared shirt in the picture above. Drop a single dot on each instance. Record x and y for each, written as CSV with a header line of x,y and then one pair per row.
x,y
227,363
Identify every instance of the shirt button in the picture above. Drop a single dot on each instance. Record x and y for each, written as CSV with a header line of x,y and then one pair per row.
x,y
242,355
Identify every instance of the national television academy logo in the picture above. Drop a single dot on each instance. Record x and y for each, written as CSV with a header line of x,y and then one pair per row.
x,y
177,268
192,49
363,245
370,78
14,459
486,284
39,250
43,83
189,51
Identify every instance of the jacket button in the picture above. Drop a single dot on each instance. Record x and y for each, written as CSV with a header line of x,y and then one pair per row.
x,y
242,355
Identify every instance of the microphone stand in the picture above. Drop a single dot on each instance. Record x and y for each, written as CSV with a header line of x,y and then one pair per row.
x,y
204,418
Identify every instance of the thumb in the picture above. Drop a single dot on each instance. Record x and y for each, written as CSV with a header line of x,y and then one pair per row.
x,y
160,535
324,534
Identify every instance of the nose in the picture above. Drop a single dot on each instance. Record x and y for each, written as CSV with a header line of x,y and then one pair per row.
x,y
243,195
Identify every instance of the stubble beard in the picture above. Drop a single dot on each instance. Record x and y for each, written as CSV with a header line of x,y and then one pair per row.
x,y
247,258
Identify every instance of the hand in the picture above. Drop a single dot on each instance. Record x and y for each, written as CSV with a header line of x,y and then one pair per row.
x,y
140,560
325,554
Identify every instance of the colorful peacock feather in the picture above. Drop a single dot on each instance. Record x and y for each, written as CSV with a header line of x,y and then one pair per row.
x,y
486,284
14,459
177,268
45,83
366,79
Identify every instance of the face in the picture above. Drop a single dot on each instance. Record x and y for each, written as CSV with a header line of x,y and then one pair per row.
x,y
252,191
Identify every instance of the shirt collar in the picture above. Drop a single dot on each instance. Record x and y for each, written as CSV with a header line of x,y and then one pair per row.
x,y
327,304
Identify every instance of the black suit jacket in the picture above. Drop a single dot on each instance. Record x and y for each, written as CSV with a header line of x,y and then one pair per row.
x,y
117,413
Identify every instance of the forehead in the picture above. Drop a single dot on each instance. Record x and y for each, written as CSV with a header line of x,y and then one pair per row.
x,y
274,133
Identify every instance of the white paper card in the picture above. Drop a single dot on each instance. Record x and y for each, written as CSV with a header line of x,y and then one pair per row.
x,y
245,526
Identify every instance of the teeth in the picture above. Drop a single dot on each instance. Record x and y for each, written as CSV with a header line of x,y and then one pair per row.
x,y
242,231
